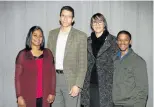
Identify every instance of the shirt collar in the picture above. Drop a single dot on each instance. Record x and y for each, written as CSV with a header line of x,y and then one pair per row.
x,y
119,54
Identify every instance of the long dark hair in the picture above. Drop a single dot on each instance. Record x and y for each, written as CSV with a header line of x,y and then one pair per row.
x,y
29,38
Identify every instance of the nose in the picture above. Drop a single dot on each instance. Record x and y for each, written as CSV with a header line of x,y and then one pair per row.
x,y
65,18
122,42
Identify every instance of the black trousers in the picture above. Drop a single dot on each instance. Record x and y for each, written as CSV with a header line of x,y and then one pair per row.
x,y
39,102
94,95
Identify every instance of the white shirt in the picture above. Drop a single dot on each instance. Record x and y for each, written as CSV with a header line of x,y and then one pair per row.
x,y
60,49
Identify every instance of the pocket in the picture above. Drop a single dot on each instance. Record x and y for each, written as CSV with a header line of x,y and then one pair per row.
x,y
129,80
128,74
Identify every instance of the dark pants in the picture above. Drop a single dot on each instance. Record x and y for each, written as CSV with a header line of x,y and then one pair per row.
x,y
94,95
39,102
118,106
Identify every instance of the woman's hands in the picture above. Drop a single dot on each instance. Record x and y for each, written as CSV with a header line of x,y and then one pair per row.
x,y
21,102
50,98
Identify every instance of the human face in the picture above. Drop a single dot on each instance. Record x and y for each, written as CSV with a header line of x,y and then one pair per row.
x,y
66,18
37,38
98,26
123,42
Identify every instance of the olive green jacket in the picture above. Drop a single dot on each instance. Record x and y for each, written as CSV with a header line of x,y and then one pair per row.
x,y
130,80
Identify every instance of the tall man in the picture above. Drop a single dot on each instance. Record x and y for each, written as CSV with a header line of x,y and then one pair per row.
x,y
69,47
130,81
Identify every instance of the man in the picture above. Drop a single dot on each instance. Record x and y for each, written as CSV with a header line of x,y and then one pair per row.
x,y
69,47
130,81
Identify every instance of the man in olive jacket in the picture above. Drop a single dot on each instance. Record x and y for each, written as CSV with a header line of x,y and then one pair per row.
x,y
130,81
69,47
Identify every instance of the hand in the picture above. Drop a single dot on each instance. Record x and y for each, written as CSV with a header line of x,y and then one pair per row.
x,y
74,91
21,102
50,98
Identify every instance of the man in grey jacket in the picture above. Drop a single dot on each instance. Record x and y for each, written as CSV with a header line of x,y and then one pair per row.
x,y
130,81
69,47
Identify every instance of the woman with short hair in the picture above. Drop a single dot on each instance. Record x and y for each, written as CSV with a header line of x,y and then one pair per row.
x,y
97,89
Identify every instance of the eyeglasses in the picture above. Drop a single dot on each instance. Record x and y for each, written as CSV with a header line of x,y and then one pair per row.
x,y
94,23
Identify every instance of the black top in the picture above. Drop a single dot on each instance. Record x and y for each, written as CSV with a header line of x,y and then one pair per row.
x,y
38,57
97,43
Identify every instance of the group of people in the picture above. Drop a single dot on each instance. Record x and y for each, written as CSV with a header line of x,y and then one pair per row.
x,y
75,71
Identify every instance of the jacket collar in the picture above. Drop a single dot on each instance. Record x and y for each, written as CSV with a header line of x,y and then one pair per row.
x,y
103,48
118,55
30,56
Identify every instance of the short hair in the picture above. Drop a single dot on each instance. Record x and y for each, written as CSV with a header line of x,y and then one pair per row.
x,y
100,17
29,38
68,8
124,32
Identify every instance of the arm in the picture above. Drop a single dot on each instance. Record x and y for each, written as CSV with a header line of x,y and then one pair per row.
x,y
53,74
49,41
18,72
141,79
52,80
53,77
82,61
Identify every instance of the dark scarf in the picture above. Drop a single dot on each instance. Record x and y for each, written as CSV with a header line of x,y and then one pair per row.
x,y
98,42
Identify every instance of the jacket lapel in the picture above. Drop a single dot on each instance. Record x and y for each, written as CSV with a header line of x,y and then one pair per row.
x,y
54,42
105,46
68,43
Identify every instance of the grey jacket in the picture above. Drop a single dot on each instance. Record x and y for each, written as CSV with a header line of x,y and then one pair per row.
x,y
105,68
75,56
130,81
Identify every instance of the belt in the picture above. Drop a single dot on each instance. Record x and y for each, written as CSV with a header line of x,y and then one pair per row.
x,y
118,106
59,71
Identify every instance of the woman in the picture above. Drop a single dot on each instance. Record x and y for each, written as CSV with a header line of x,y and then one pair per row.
x,y
97,89
35,72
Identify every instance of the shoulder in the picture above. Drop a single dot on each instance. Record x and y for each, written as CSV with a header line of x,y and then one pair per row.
x,y
47,51
138,59
79,32
48,54
112,38
52,32
21,53
20,56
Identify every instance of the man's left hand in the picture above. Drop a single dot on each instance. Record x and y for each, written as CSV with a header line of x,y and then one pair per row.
x,y
74,91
